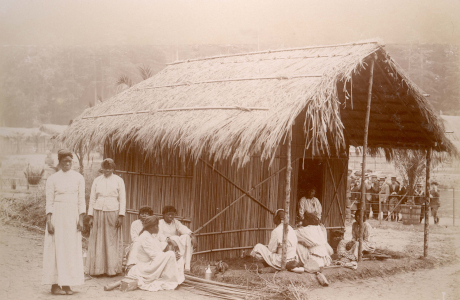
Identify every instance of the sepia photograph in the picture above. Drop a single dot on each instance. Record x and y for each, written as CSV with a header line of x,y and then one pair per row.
x,y
230,149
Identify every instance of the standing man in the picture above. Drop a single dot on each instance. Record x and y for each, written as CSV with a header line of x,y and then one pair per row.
x,y
107,207
368,196
375,189
434,201
394,198
383,196
419,199
349,187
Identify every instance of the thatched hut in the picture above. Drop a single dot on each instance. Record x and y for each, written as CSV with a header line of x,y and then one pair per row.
x,y
210,136
22,140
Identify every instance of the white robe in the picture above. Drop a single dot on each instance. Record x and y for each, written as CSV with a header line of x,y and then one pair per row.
x,y
272,253
135,230
62,255
155,270
317,247
181,235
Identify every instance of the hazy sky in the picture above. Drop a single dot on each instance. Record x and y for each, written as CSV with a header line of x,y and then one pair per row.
x,y
292,23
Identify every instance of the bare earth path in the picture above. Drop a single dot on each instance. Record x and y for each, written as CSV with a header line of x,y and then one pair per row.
x,y
21,253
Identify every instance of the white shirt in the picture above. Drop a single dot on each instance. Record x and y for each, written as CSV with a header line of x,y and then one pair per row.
x,y
276,241
136,228
312,206
172,229
108,194
66,187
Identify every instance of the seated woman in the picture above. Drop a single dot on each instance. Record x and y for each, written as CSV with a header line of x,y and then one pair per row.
x,y
349,249
310,204
156,267
272,254
313,244
181,234
136,228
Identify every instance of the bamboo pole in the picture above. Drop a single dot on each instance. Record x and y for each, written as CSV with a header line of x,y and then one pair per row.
x,y
427,199
453,206
288,199
363,186
177,109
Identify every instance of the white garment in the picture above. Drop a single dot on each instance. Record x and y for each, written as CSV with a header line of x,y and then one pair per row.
x,y
173,228
62,255
272,253
108,194
317,247
181,235
135,230
155,270
312,206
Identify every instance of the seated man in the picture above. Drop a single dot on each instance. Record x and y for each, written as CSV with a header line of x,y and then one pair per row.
x,y
136,228
157,267
350,249
272,254
312,241
173,229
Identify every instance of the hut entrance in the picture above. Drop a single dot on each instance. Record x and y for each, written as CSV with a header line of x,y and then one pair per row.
x,y
310,175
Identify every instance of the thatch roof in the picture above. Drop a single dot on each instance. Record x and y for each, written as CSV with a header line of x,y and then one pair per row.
x,y
53,129
11,132
313,82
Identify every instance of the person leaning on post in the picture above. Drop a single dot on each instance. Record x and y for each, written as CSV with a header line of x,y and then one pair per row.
x,y
107,206
65,209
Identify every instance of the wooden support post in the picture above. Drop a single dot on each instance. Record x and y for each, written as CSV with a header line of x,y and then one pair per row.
x,y
453,206
427,201
288,200
362,203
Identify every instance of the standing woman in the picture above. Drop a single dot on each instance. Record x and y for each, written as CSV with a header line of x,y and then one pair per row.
x,y
107,206
65,208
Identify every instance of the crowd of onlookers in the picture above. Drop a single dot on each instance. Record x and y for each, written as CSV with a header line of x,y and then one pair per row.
x,y
383,197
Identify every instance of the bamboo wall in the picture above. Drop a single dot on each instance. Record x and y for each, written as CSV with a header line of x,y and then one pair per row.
x,y
199,193
153,182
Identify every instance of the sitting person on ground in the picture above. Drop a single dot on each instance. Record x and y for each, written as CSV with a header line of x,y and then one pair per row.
x,y
136,229
157,267
137,226
349,249
312,242
271,255
310,204
181,234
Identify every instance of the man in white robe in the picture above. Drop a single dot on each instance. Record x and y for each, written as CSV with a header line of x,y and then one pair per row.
x,y
181,234
272,254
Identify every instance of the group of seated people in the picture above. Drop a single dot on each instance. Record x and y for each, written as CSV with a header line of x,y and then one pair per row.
x,y
307,245
160,250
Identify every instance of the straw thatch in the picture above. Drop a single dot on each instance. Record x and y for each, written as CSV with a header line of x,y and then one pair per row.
x,y
328,84
53,129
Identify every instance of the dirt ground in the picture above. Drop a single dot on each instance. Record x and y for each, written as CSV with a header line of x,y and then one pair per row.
x,y
21,253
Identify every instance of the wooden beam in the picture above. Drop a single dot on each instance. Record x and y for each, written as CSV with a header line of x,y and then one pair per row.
x,y
427,201
287,201
363,186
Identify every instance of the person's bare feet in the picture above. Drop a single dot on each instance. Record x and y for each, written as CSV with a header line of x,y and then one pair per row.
x,y
67,290
56,290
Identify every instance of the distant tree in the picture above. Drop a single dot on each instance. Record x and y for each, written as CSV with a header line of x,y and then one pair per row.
x,y
411,165
125,82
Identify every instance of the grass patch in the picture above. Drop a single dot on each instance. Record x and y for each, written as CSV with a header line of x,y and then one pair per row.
x,y
29,209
